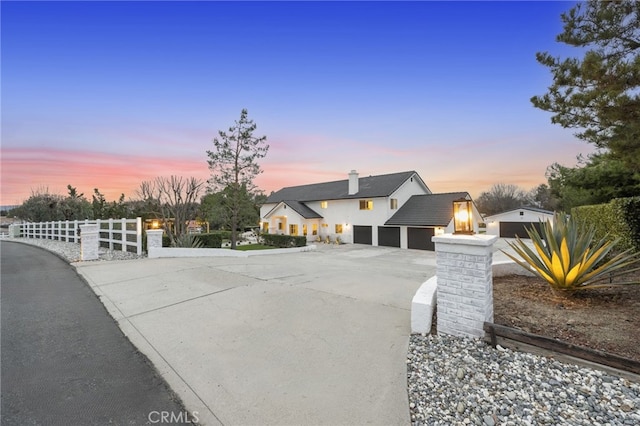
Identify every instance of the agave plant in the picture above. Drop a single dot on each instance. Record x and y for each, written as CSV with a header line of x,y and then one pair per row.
x,y
569,259
187,241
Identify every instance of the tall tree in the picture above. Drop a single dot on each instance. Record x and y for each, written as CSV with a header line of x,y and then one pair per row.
x,y
599,93
597,179
234,165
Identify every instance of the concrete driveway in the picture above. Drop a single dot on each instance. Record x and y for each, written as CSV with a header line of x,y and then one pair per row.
x,y
304,338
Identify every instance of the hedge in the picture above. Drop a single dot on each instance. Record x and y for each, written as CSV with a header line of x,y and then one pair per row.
x,y
284,241
620,218
211,240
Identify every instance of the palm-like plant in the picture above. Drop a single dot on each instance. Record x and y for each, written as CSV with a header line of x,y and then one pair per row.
x,y
569,259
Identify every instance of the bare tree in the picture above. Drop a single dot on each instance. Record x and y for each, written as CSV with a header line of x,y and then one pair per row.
x,y
502,197
175,200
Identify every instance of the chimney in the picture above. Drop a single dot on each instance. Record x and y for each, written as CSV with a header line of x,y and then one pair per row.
x,y
353,182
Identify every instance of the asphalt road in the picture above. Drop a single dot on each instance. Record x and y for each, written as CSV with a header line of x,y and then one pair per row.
x,y
64,361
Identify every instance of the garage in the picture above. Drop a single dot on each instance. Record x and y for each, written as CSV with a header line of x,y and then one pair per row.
x,y
513,222
511,229
420,238
389,236
363,234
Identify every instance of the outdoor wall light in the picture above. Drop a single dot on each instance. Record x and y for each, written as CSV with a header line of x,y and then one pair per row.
x,y
462,217
155,224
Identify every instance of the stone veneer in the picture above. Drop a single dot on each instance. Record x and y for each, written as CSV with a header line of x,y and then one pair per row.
x,y
465,283
89,242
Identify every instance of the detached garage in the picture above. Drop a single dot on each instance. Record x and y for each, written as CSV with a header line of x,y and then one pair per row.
x,y
419,219
514,222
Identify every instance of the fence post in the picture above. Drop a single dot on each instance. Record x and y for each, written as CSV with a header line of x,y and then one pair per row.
x,y
465,283
139,236
123,235
89,242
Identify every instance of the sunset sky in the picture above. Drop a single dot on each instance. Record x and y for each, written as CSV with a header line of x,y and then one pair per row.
x,y
109,94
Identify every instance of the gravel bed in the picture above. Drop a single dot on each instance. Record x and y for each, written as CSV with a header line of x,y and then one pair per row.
x,y
71,251
459,381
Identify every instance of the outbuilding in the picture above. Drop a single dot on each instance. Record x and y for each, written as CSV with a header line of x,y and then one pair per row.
x,y
515,222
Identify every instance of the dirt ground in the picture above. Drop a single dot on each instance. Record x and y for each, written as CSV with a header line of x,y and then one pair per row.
x,y
604,319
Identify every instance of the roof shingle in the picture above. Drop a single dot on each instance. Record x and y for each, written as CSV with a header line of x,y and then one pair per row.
x,y
427,210
368,187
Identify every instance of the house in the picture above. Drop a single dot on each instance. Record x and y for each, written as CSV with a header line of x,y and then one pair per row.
x,y
396,210
514,222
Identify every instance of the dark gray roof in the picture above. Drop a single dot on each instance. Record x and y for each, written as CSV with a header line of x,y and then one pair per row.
x,y
303,210
427,210
300,208
368,187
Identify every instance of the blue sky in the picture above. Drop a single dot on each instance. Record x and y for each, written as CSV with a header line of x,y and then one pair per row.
x,y
108,94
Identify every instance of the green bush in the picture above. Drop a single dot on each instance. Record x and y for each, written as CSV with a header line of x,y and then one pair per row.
x,y
166,241
211,240
284,241
618,219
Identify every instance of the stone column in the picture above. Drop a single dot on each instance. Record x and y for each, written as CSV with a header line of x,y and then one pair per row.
x,y
154,238
89,242
465,283
14,231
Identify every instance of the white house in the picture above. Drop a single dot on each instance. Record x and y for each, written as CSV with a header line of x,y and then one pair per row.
x,y
396,210
514,222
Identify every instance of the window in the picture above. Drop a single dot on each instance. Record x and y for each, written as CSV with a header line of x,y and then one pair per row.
x,y
323,204
293,229
394,203
314,229
304,230
366,204
280,226
338,228
521,213
265,226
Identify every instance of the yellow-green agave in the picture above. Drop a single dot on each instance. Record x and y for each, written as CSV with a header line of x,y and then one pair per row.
x,y
567,257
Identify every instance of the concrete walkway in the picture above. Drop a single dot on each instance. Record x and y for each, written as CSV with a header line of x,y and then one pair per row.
x,y
306,338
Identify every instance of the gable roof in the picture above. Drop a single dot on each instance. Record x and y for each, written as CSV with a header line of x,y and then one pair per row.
x,y
532,209
300,208
368,187
427,210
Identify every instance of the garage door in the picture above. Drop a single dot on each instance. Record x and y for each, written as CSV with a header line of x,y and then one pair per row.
x,y
511,229
362,234
389,236
420,238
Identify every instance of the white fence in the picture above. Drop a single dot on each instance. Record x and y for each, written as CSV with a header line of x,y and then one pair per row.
x,y
114,234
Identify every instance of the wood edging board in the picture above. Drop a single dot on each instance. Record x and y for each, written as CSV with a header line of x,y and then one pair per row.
x,y
599,357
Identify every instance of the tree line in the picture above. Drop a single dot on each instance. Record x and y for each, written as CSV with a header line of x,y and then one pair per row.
x,y
230,201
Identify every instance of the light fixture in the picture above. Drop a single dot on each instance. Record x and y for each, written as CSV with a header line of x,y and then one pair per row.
x,y
462,217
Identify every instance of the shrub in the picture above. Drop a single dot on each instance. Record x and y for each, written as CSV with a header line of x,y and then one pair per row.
x,y
284,241
570,258
187,241
211,240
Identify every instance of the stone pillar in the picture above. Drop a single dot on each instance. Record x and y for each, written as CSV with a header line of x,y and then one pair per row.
x,y
89,242
154,238
465,283
14,231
